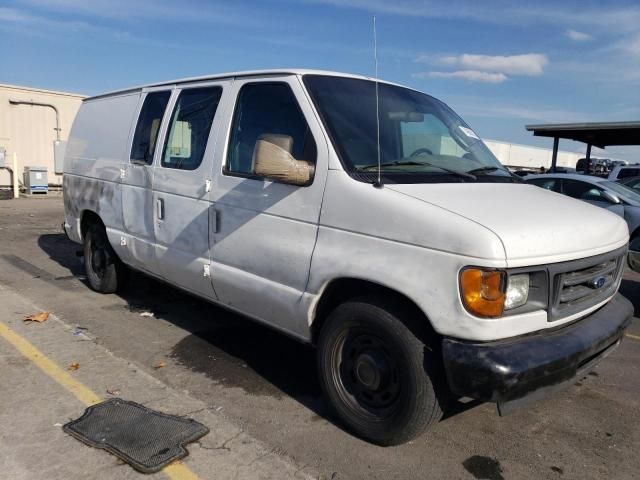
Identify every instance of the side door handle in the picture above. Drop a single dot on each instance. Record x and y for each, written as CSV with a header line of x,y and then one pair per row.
x,y
217,218
160,208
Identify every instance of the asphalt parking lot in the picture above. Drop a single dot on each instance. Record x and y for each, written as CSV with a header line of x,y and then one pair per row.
x,y
243,379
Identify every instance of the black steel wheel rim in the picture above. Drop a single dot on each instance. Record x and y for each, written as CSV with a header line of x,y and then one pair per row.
x,y
366,374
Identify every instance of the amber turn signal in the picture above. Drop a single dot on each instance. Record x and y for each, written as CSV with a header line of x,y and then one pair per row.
x,y
483,291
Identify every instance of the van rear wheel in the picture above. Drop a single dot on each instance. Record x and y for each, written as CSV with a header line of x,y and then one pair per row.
x,y
378,377
105,272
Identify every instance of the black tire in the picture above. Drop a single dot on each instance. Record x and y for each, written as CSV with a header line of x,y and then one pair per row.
x,y
381,381
105,272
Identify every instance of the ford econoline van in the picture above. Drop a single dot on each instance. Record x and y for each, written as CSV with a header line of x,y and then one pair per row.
x,y
362,217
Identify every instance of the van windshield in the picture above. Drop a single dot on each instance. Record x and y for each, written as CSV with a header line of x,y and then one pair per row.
x,y
421,138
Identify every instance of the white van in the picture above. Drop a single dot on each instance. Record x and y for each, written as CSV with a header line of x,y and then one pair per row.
x,y
417,264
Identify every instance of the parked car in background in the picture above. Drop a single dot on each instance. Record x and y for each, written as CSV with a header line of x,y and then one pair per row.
x,y
624,171
616,197
597,166
634,245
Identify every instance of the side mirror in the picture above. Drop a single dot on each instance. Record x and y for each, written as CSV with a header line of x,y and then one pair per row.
x,y
611,197
272,161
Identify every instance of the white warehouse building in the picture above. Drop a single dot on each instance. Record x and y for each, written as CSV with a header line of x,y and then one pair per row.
x,y
34,124
527,156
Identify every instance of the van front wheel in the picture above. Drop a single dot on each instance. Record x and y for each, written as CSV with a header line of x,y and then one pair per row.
x,y
105,271
380,379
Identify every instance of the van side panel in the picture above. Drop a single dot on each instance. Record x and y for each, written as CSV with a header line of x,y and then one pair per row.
x,y
95,152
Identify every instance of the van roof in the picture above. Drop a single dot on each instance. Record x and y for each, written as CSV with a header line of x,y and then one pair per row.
x,y
241,74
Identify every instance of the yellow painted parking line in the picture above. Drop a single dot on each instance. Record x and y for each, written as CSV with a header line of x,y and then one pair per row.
x,y
175,471
635,337
82,393
179,471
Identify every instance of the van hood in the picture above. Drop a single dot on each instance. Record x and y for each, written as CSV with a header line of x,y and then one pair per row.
x,y
535,226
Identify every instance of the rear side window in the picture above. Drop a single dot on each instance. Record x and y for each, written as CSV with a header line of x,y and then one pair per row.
x,y
189,129
546,183
628,172
267,109
144,139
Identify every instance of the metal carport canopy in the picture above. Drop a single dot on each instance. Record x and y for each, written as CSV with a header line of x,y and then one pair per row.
x,y
600,134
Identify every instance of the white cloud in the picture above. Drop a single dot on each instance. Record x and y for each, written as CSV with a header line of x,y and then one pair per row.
x,y
577,36
469,75
530,64
485,68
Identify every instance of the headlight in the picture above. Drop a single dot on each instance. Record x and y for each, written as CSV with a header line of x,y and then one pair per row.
x,y
488,293
483,291
517,291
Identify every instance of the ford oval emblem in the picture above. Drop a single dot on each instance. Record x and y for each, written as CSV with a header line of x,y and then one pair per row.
x,y
597,282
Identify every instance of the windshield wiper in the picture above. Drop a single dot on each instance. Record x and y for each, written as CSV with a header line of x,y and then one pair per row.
x,y
483,170
423,164
487,169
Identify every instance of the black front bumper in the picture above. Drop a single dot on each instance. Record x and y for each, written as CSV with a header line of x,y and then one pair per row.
x,y
514,371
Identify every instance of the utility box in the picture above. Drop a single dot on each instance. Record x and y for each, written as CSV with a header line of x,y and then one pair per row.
x,y
36,180
3,155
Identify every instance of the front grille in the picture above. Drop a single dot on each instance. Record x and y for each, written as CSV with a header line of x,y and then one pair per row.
x,y
581,284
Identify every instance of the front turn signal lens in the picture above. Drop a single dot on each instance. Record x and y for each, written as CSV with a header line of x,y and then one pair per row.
x,y
483,291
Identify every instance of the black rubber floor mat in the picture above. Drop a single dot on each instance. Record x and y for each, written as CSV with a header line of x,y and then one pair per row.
x,y
145,439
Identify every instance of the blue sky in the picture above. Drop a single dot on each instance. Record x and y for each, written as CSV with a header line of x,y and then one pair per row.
x,y
500,64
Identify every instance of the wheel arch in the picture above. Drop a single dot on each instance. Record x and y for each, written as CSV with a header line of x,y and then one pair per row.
x,y
342,289
88,217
